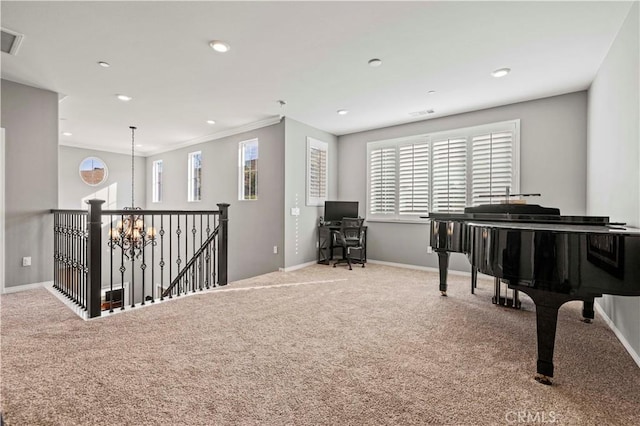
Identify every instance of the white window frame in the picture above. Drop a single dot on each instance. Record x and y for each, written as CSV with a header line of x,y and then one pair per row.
x,y
156,181
242,153
319,196
194,179
469,133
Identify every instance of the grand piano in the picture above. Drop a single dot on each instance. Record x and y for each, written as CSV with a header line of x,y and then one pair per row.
x,y
551,258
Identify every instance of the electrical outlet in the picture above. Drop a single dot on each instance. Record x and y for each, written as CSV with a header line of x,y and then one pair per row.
x,y
275,249
26,261
429,249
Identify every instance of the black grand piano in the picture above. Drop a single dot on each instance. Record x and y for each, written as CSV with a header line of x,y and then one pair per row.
x,y
551,258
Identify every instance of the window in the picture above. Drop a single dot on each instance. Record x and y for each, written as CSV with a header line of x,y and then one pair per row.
x,y
442,172
317,182
194,185
157,181
449,174
382,186
492,166
248,170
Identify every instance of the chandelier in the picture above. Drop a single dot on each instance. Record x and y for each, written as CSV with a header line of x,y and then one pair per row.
x,y
130,234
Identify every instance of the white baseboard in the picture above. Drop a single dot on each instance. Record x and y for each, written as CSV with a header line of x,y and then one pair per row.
x,y
426,268
300,266
618,333
402,265
24,287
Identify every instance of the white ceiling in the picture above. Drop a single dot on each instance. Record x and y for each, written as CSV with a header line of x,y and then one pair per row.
x,y
312,54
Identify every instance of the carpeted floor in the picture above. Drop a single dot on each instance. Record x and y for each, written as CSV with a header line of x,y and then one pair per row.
x,y
331,347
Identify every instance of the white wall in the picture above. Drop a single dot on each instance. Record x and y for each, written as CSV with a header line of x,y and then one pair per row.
x,y
553,135
613,152
2,179
301,233
255,226
30,119
72,189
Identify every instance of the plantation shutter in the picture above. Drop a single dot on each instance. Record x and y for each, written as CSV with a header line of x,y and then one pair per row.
x,y
382,172
449,175
414,179
492,168
317,172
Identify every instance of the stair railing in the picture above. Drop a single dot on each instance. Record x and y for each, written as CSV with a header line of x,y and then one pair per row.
x,y
111,259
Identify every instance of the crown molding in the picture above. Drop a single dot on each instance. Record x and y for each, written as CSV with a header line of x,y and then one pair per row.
x,y
219,135
102,149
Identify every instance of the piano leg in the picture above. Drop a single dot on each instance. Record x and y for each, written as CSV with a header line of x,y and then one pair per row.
x,y
474,279
547,305
443,265
587,311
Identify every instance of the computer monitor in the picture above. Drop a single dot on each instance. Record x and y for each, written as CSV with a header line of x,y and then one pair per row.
x,y
334,211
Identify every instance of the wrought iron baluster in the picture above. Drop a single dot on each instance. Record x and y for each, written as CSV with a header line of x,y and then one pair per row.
x,y
214,245
162,257
110,268
153,262
143,265
82,249
170,246
178,260
122,267
193,241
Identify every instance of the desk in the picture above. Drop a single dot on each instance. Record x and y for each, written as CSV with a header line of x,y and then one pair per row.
x,y
325,244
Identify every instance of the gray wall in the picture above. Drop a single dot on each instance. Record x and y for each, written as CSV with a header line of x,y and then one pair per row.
x,y
255,226
301,232
553,135
30,117
614,155
73,189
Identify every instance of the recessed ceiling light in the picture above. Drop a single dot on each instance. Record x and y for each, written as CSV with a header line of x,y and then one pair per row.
x,y
375,63
124,98
220,46
342,112
104,64
211,122
67,134
139,145
501,72
431,92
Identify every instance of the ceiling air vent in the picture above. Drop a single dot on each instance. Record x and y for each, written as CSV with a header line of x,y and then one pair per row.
x,y
421,112
11,41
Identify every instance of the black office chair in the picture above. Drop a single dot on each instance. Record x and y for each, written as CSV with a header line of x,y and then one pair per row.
x,y
350,238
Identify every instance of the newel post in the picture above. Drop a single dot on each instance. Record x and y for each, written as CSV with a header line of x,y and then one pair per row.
x,y
223,243
94,258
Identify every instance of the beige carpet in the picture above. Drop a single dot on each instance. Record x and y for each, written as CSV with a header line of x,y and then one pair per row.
x,y
369,346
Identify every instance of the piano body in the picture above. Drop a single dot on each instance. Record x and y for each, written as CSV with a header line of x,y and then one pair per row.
x,y
551,258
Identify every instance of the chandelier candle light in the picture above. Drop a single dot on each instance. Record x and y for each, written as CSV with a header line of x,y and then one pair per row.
x,y
129,233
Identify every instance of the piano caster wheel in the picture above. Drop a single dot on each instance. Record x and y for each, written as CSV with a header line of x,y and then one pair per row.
x,y
586,320
541,378
443,293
